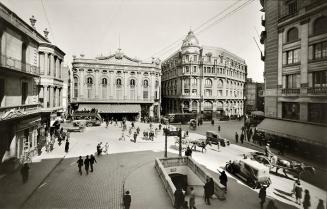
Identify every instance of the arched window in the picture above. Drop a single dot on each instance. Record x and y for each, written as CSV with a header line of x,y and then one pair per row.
x,y
220,83
75,87
118,82
320,25
145,83
292,35
132,83
208,83
104,81
89,81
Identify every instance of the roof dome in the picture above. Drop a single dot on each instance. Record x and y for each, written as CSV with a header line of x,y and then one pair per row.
x,y
190,40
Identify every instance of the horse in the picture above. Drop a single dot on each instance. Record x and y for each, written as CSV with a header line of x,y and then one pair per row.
x,y
293,167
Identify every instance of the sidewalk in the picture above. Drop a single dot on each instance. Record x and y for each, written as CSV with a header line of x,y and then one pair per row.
x,y
14,193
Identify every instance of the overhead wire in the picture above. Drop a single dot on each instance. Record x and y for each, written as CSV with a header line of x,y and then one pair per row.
x,y
203,27
46,17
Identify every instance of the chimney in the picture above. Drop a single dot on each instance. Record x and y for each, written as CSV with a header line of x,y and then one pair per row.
x,y
33,21
46,33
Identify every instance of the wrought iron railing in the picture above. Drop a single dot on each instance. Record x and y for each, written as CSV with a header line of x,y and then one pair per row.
x,y
317,90
291,91
18,65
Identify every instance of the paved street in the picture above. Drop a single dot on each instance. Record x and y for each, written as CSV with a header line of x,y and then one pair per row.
x,y
131,164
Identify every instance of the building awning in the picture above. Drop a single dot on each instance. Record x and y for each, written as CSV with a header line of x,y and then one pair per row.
x,y
112,108
309,133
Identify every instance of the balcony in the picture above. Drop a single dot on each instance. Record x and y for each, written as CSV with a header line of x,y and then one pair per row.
x,y
13,112
317,90
18,65
291,91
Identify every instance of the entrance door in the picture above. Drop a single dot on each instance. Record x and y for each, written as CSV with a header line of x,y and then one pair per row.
x,y
179,180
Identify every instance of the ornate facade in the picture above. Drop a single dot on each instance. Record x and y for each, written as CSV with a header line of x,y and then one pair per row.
x,y
203,79
30,66
117,86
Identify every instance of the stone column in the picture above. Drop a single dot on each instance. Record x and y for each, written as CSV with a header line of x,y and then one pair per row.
x,y
97,83
57,67
182,83
41,63
304,33
46,63
45,96
125,96
60,68
50,64
280,58
81,83
51,91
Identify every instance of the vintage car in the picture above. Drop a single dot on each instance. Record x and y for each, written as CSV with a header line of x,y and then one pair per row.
x,y
252,172
261,158
87,117
213,138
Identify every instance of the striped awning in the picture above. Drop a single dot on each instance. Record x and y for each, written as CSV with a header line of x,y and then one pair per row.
x,y
112,108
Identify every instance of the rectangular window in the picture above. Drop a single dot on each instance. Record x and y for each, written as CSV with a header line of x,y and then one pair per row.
x,y
215,62
290,110
292,7
24,92
2,90
292,56
195,58
319,79
194,92
75,92
186,91
187,58
220,93
292,81
317,112
145,94
320,50
187,70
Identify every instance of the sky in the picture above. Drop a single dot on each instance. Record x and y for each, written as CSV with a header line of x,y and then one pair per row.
x,y
146,28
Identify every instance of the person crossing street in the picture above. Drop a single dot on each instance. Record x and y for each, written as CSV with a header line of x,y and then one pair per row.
x,y
87,164
92,161
80,164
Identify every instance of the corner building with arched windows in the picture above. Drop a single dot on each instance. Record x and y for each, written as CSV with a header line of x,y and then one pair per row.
x,y
117,86
203,79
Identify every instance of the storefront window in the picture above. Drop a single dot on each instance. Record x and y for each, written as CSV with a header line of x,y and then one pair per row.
x,y
291,110
317,112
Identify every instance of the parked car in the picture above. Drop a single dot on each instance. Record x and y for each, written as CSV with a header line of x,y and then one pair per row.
x,y
213,138
224,118
252,172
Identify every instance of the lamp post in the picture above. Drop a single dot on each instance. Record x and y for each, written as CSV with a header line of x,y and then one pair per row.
x,y
244,100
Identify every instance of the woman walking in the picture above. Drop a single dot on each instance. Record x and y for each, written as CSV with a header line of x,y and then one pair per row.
x,y
306,201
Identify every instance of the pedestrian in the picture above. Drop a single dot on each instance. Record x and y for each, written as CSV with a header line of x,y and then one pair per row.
x,y
207,192
267,150
135,137
242,138
218,128
99,149
127,199
132,124
306,201
160,126
92,161
80,164
185,206
223,179
298,192
321,204
271,205
138,130
106,148
212,122
67,146
179,198
236,137
188,152
87,164
25,172
262,195
203,146
192,199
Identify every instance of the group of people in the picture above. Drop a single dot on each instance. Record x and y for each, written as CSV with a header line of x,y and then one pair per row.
x,y
180,202
102,149
88,163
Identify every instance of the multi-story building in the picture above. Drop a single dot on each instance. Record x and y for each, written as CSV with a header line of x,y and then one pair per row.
x,y
117,86
295,40
254,100
66,88
22,62
203,79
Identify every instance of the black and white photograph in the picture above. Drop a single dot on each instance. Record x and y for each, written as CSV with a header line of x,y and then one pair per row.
x,y
163,104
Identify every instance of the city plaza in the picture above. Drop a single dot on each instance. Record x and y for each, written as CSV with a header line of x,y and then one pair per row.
x,y
55,181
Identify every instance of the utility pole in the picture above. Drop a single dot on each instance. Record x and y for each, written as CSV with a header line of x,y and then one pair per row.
x,y
244,99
